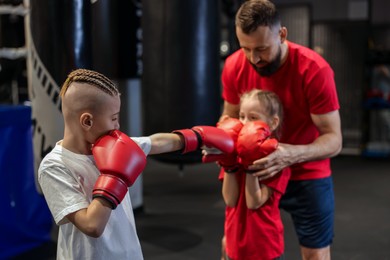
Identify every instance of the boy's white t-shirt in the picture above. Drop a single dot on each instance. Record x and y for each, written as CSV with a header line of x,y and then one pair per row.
x,y
67,180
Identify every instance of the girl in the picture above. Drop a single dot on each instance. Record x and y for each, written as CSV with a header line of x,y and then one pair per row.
x,y
253,226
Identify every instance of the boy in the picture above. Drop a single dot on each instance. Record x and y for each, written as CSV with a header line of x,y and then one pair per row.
x,y
85,177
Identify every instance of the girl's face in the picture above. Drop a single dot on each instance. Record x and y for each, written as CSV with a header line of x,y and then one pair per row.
x,y
252,110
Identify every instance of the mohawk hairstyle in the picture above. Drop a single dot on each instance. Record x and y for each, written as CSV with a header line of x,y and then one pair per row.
x,y
91,77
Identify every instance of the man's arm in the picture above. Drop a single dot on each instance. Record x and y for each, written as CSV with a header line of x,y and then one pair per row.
x,y
327,145
230,110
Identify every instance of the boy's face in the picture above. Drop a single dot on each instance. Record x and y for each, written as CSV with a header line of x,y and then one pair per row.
x,y
106,117
252,110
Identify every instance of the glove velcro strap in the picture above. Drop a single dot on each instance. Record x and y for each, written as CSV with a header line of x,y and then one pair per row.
x,y
231,170
190,139
250,171
106,196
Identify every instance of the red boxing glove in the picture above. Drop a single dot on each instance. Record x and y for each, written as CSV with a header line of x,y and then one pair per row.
x,y
254,143
120,161
209,136
232,126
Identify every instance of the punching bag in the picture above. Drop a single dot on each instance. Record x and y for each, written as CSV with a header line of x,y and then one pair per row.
x,y
70,34
58,41
117,50
181,67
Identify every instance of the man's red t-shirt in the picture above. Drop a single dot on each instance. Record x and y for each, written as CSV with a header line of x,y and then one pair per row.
x,y
305,85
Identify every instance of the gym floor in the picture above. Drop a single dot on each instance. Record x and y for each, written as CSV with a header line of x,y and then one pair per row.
x,y
182,215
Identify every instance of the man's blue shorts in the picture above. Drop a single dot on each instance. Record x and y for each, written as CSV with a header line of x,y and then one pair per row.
x,y
311,205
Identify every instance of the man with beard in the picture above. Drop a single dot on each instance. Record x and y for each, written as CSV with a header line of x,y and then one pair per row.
x,y
311,131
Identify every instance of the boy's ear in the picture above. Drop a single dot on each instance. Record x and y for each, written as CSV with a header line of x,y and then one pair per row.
x,y
86,120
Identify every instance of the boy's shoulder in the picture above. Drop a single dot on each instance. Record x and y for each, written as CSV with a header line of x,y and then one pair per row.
x,y
144,142
51,159
54,153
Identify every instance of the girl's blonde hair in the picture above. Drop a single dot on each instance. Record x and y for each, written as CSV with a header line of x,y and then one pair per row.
x,y
272,105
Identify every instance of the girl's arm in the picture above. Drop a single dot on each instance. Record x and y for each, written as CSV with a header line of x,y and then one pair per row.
x,y
230,189
256,194
92,220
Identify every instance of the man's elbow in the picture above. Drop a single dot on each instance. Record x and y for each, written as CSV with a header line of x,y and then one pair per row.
x,y
338,147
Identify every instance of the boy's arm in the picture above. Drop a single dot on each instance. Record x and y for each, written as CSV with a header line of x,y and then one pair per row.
x,y
118,171
165,142
189,140
92,220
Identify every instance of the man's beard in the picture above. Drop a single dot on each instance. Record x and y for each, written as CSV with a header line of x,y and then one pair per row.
x,y
271,67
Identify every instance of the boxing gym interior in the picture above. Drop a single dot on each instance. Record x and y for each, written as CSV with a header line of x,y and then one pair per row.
x,y
166,58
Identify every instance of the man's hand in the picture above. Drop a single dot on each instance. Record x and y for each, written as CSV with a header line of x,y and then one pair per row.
x,y
269,166
254,142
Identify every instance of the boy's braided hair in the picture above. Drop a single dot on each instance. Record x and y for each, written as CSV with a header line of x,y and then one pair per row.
x,y
90,77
